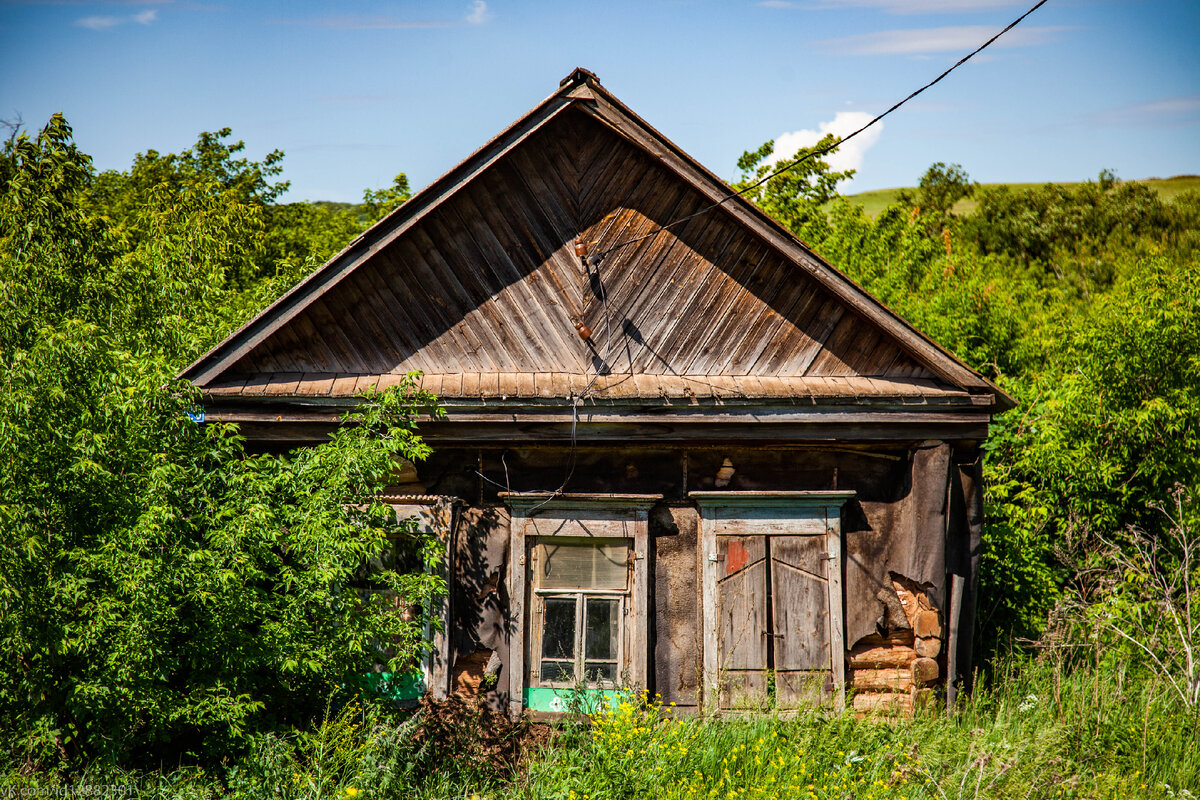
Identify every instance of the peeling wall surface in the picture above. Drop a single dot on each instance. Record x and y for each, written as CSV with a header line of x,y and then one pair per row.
x,y
914,522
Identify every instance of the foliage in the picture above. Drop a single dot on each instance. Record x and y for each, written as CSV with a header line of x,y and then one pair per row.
x,y
793,198
1049,221
939,189
164,593
1140,600
1082,303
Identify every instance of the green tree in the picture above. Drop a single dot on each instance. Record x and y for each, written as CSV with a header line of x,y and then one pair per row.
x,y
795,197
940,188
163,593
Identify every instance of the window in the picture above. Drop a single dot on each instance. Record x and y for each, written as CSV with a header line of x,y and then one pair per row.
x,y
578,585
581,591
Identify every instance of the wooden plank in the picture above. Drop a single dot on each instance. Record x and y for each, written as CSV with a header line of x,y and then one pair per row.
x,y
412,325
957,591
707,554
880,656
517,594
308,353
357,313
626,122
227,386
543,238
639,623
742,621
679,281
727,314
452,385
552,336
741,587
837,628
282,383
795,689
342,264
677,348
457,242
788,337
744,690
799,603
553,278
447,259
775,289
461,301
886,703
507,385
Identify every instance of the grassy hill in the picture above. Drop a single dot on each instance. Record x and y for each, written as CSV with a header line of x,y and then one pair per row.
x,y
876,201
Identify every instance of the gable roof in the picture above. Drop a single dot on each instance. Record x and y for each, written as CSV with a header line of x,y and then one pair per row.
x,y
475,282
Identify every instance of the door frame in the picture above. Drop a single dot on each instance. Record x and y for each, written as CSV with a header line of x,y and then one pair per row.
x,y
771,514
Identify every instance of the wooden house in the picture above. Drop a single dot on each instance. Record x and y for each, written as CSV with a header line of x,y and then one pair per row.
x,y
697,460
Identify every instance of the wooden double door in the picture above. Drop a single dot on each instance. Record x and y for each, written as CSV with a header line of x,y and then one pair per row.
x,y
773,600
773,621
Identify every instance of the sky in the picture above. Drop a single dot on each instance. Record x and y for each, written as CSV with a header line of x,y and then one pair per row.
x,y
357,91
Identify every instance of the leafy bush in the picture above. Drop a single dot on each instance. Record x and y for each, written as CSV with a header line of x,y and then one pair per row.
x,y
163,593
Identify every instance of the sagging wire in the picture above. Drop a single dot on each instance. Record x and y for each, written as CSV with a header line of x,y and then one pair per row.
x,y
594,260
601,368
601,255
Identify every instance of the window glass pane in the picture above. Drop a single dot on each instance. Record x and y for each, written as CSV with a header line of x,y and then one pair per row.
x,y
583,565
558,637
597,671
600,628
558,671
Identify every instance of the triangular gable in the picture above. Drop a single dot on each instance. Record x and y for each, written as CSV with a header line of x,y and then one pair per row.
x,y
477,275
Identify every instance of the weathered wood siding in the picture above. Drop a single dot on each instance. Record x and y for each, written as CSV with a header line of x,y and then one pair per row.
x,y
488,283
878,527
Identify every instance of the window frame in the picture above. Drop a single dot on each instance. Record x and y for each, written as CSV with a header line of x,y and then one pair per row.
x,y
581,596
543,516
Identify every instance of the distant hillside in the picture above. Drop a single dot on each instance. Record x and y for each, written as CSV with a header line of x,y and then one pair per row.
x,y
876,201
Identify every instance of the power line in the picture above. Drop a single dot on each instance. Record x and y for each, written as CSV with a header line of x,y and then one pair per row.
x,y
601,255
595,259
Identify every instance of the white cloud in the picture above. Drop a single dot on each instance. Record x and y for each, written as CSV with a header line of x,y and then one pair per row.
x,y
108,23
952,38
479,13
98,23
1164,111
898,6
848,156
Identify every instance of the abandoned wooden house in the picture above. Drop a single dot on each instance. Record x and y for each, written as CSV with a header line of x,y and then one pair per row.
x,y
694,459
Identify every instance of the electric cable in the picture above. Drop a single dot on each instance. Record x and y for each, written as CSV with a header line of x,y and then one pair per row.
x,y
601,255
595,259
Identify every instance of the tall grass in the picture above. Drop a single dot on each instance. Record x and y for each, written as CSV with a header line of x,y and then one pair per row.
x,y
1054,727
1039,730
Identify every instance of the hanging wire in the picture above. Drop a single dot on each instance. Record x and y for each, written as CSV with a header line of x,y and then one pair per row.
x,y
601,255
595,259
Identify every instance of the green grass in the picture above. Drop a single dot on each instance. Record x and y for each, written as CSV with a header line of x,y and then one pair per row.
x,y
1040,731
876,201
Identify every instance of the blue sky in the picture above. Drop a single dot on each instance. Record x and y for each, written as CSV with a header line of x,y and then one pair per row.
x,y
356,91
